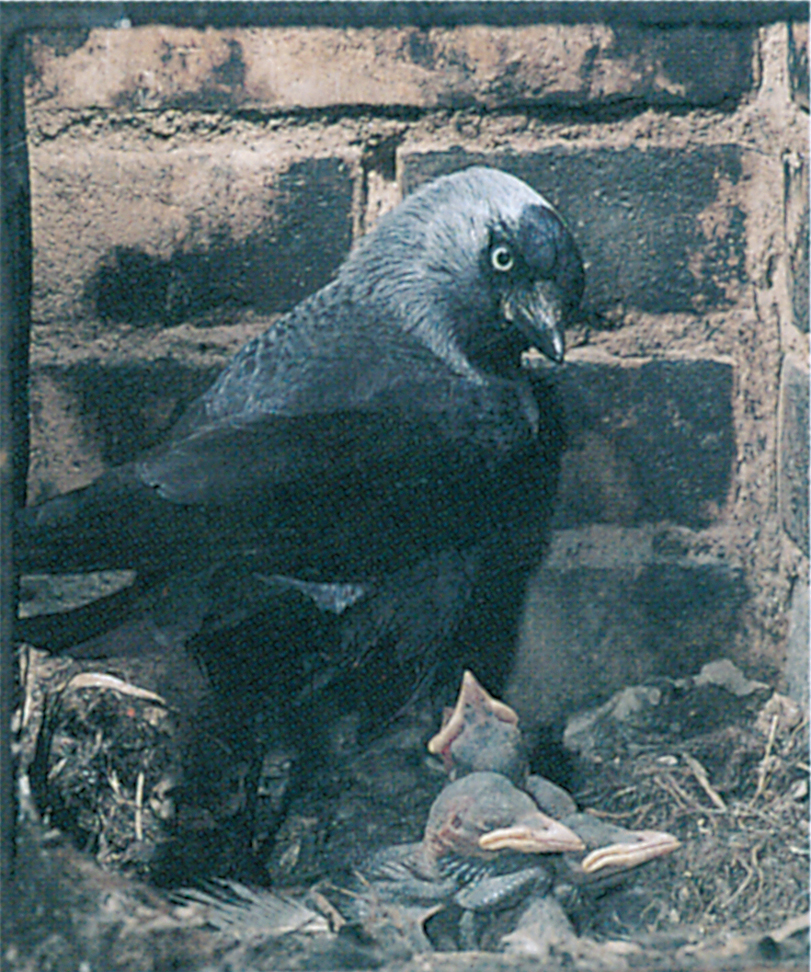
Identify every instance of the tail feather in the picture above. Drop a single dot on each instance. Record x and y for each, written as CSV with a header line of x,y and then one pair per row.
x,y
115,523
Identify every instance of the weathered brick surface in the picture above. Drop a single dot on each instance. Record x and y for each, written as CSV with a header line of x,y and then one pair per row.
x,y
181,175
131,407
607,610
99,398
151,237
797,232
646,443
798,63
792,464
660,230
284,68
98,415
294,251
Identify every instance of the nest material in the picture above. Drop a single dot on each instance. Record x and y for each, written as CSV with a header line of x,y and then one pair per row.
x,y
737,798
101,746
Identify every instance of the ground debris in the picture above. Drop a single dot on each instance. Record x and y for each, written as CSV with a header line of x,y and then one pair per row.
x,y
736,796
717,760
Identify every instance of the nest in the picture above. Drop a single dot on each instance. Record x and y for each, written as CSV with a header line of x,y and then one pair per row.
x,y
744,829
720,762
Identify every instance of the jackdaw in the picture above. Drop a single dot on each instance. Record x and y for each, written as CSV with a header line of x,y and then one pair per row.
x,y
380,453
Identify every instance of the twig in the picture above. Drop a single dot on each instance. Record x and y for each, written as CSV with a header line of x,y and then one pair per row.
x,y
669,785
29,681
103,680
115,786
703,780
139,806
719,891
791,927
328,910
608,815
760,880
743,885
57,768
763,768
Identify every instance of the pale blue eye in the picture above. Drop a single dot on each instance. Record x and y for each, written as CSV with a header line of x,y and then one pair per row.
x,y
501,258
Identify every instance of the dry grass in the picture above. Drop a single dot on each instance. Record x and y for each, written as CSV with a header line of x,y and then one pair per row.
x,y
737,798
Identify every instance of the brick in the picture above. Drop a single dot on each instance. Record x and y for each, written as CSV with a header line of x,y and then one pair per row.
x,y
156,238
792,459
605,611
795,670
659,230
798,63
692,64
161,66
292,254
93,415
646,443
795,168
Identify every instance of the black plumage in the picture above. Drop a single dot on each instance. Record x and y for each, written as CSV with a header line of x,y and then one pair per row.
x,y
379,452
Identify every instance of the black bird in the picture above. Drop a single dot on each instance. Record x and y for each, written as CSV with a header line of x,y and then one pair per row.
x,y
380,451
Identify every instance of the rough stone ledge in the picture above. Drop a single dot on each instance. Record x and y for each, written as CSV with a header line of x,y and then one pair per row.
x,y
274,69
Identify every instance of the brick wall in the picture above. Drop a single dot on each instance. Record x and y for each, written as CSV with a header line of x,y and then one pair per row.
x,y
187,183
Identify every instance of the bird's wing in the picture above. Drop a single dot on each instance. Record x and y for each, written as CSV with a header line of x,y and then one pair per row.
x,y
334,446
367,406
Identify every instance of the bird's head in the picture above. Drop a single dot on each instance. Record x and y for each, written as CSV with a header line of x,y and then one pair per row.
x,y
479,264
484,813
480,733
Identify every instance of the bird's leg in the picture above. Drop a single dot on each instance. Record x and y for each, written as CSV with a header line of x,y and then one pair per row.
x,y
468,937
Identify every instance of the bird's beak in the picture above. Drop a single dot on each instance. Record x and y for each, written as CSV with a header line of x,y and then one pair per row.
x,y
647,845
538,835
538,313
471,697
